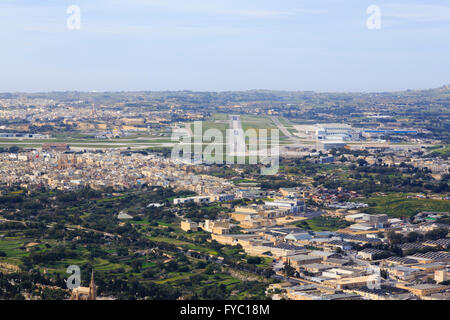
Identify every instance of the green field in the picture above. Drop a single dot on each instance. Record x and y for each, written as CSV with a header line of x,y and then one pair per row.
x,y
220,116
184,244
322,223
400,206
257,122
206,125
443,151
12,248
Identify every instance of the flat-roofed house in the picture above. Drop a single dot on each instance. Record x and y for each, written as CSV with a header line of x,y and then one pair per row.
x,y
424,289
299,260
188,225
370,254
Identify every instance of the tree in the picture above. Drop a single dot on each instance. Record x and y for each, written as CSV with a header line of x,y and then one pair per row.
x,y
395,238
413,236
288,270
254,260
13,149
436,234
136,265
362,162
268,272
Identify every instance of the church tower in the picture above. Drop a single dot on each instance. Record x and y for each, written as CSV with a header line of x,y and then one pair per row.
x,y
92,291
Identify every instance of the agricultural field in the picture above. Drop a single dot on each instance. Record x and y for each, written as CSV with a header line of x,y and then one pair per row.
x,y
322,223
440,151
258,123
81,228
206,125
398,205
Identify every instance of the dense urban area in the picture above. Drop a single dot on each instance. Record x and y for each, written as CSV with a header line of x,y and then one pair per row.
x,y
358,208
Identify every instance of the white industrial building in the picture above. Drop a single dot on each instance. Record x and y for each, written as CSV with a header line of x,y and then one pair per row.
x,y
332,129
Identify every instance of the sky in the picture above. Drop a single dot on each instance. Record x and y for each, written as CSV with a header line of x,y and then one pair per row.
x,y
221,45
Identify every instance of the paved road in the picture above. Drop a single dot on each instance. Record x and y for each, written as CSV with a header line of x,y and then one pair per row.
x,y
281,127
189,129
296,142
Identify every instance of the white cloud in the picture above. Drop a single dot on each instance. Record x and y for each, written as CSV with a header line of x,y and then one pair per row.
x,y
417,12
257,9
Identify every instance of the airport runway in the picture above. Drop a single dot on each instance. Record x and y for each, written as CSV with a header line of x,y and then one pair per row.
x,y
236,141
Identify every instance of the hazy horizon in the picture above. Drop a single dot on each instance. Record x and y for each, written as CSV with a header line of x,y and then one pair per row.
x,y
221,91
